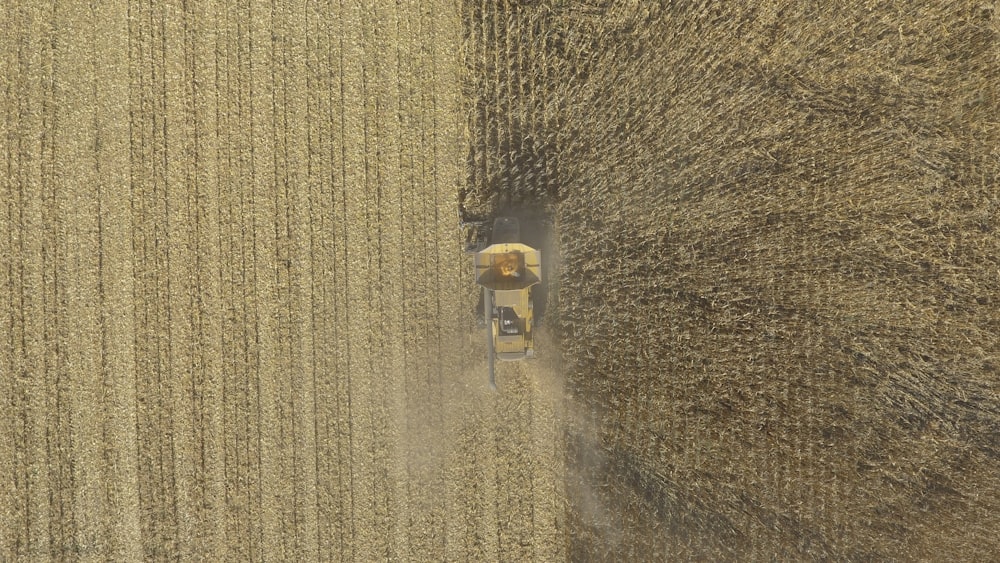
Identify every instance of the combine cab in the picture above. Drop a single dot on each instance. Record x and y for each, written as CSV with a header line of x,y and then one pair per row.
x,y
507,270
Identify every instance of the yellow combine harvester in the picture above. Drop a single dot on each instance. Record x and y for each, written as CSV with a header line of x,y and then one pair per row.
x,y
507,270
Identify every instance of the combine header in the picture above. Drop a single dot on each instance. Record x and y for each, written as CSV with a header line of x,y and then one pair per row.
x,y
506,270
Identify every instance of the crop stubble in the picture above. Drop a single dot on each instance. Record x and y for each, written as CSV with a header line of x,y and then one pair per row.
x,y
229,270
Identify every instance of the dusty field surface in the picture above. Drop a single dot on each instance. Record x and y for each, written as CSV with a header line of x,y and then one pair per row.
x,y
780,280
234,316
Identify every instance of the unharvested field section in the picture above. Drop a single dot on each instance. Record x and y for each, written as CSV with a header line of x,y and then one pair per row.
x,y
779,266
781,276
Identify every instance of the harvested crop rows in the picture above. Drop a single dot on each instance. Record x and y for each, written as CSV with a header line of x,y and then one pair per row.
x,y
229,266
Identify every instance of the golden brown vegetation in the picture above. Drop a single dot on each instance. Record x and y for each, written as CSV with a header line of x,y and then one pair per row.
x,y
780,265
228,269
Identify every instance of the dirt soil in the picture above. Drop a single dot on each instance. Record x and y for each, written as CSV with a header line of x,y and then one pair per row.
x,y
229,263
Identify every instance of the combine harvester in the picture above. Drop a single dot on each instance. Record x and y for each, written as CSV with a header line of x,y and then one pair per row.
x,y
507,270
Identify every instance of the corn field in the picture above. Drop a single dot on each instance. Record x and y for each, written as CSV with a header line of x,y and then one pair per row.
x,y
779,266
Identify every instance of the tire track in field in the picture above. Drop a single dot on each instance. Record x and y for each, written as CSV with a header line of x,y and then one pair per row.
x,y
181,161
345,543
355,190
110,59
263,211
75,285
303,341
391,338
208,388
327,250
32,283
239,339
426,449
157,516
369,366
64,364
420,432
14,367
10,516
